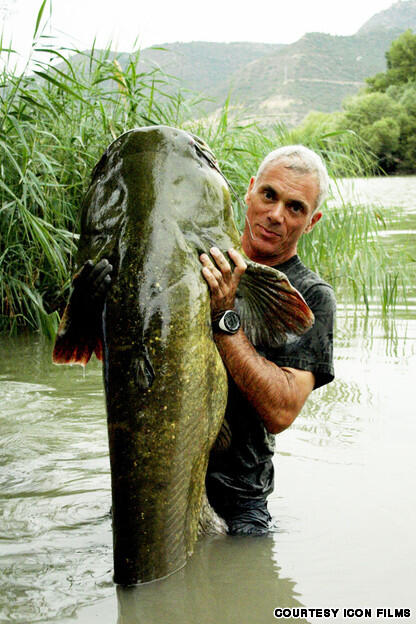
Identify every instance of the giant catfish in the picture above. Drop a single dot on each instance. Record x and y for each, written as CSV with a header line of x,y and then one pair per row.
x,y
157,199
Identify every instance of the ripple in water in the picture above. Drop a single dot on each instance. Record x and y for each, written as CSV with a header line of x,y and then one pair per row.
x,y
55,527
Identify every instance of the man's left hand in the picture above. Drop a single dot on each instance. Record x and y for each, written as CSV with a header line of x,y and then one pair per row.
x,y
222,281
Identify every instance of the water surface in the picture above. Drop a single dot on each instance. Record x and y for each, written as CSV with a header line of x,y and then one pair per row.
x,y
344,503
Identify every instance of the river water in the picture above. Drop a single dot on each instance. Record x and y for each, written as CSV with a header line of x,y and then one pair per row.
x,y
344,503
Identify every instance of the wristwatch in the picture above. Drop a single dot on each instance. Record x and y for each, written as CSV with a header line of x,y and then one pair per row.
x,y
227,321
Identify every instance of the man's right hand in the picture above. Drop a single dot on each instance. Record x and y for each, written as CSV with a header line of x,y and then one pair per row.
x,y
221,279
90,286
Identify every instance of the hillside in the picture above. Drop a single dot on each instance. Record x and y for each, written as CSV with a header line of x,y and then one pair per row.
x,y
400,15
315,73
280,82
201,65
285,82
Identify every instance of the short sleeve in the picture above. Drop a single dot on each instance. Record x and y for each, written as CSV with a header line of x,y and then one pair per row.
x,y
313,351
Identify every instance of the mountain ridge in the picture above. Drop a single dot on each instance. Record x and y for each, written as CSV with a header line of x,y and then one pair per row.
x,y
286,81
280,82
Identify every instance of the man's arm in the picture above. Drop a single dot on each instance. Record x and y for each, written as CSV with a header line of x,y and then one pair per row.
x,y
276,393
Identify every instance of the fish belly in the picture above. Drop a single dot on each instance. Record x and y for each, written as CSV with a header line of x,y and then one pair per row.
x,y
160,437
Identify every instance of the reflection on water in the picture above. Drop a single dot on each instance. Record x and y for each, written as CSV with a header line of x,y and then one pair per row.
x,y
344,503
219,584
379,191
54,526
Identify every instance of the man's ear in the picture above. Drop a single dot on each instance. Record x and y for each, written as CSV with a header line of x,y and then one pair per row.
x,y
250,187
314,220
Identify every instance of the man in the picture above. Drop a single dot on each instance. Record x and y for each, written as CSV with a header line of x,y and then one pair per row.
x,y
268,387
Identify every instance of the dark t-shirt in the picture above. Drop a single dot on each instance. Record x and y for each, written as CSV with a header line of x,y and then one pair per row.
x,y
241,476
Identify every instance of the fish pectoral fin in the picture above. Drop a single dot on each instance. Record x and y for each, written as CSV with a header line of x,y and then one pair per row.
x,y
270,307
223,439
144,373
77,339
209,522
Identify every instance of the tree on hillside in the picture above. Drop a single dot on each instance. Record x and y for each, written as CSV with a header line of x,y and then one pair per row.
x,y
401,64
384,114
406,97
374,117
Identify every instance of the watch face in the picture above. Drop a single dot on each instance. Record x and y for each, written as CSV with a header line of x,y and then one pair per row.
x,y
231,321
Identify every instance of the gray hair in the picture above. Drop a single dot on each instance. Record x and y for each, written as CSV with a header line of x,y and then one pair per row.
x,y
303,160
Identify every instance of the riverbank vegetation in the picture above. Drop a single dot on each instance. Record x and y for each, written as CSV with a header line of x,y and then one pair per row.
x,y
56,120
383,114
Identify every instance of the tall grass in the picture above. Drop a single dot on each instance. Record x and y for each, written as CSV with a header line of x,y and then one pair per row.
x,y
54,124
345,249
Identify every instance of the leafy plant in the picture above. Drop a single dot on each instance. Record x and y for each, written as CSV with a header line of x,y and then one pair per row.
x,y
55,122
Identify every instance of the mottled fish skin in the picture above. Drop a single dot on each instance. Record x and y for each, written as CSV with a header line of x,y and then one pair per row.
x,y
165,383
154,204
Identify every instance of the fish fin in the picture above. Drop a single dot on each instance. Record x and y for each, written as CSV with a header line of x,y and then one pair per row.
x,y
270,307
209,522
76,340
144,373
223,439
98,350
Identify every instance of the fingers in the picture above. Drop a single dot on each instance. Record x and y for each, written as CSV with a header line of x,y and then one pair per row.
x,y
101,289
221,279
83,274
94,280
221,269
222,263
101,269
211,280
224,270
208,264
100,278
240,265
100,272
211,273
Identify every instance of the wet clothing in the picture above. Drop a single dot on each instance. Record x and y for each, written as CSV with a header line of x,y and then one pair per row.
x,y
241,477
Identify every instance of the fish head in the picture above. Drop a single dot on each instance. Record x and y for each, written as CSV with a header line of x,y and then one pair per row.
x,y
156,175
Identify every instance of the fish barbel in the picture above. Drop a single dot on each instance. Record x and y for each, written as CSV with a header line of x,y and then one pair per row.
x,y
156,201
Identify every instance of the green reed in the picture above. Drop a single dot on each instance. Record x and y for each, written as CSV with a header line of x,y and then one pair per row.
x,y
345,249
56,120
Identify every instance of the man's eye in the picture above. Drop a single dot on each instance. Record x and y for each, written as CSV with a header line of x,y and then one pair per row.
x,y
296,207
268,194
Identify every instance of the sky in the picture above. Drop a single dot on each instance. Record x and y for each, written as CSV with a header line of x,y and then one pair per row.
x,y
127,23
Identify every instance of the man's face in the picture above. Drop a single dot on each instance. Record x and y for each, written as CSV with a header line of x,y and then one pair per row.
x,y
280,209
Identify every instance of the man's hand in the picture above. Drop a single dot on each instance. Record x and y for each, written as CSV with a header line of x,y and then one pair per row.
x,y
90,286
222,281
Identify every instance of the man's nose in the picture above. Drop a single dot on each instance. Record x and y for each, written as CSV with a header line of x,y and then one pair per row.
x,y
277,212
